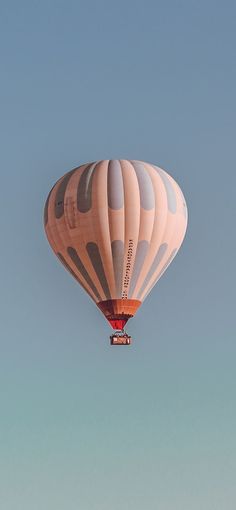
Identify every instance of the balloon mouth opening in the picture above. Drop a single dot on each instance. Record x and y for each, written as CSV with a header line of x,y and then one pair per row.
x,y
118,311
118,323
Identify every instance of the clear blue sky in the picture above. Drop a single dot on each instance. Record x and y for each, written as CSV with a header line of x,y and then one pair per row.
x,y
82,425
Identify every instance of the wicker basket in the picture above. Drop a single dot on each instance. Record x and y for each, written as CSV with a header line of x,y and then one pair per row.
x,y
120,339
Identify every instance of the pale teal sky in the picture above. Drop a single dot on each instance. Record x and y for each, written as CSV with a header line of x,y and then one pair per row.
x,y
84,426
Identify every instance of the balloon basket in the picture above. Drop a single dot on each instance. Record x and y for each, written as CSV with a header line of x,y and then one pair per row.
x,y
120,338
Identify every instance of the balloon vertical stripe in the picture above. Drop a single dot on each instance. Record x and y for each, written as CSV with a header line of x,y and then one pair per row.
x,y
84,196
141,253
158,258
95,257
80,266
167,263
117,248
171,197
46,209
147,199
59,199
115,189
67,266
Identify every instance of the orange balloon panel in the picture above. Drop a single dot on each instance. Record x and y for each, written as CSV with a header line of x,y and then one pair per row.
x,y
116,226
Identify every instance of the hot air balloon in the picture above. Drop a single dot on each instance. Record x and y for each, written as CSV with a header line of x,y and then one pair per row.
x,y
116,225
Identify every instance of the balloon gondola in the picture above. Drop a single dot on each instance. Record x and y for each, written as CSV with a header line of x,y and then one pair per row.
x,y
116,225
120,338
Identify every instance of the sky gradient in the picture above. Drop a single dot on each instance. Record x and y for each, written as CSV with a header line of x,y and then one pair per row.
x,y
83,425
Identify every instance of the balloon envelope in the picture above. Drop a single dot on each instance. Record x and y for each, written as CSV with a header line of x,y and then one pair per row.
x,y
116,225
